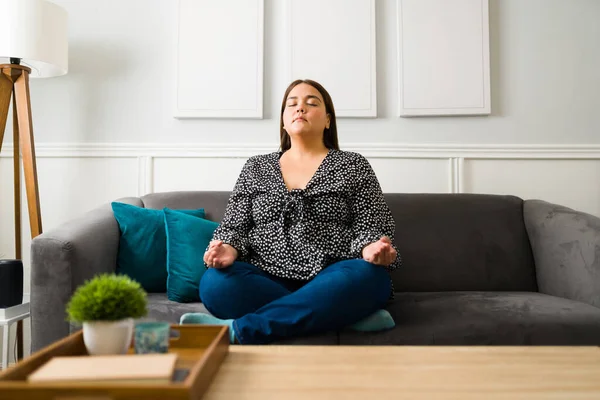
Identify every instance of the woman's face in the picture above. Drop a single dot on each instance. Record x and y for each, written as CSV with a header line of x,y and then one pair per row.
x,y
304,112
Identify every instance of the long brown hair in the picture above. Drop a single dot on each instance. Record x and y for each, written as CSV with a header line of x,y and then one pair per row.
x,y
330,138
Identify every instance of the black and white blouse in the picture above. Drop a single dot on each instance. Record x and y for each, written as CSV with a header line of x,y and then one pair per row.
x,y
295,234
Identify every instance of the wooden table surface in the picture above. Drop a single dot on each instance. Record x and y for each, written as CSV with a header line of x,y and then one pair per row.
x,y
397,372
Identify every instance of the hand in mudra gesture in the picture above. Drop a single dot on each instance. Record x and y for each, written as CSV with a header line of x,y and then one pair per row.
x,y
380,252
220,255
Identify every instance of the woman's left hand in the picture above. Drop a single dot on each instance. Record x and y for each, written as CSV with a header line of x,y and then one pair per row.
x,y
380,253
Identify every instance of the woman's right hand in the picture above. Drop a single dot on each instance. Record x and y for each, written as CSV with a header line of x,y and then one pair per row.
x,y
380,252
220,255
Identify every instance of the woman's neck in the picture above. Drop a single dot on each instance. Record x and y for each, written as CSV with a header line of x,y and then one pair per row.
x,y
301,149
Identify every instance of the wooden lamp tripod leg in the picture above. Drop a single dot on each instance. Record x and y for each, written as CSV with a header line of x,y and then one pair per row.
x,y
17,182
25,127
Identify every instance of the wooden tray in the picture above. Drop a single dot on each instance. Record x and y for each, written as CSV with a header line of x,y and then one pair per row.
x,y
200,349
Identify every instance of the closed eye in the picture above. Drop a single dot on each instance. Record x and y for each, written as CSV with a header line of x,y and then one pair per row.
x,y
310,104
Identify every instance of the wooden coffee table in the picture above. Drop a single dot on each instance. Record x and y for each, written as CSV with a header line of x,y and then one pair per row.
x,y
395,372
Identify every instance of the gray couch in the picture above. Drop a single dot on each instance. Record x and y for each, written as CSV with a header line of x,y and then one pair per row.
x,y
478,270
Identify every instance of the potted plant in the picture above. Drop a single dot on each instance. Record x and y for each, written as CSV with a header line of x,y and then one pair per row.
x,y
107,305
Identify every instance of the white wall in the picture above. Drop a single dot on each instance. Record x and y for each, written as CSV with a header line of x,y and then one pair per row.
x,y
106,129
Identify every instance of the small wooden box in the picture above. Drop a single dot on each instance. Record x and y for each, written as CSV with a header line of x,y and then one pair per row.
x,y
200,348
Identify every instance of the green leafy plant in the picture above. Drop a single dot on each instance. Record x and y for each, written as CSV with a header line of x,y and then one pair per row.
x,y
107,297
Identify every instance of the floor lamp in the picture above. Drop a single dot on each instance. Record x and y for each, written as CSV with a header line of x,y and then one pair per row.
x,y
33,43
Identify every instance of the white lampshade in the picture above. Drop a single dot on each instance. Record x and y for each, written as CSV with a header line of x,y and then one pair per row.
x,y
36,32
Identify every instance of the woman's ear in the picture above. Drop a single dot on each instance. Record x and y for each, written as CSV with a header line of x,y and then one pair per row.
x,y
328,121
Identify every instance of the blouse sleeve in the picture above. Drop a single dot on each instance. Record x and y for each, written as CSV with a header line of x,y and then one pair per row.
x,y
371,216
237,221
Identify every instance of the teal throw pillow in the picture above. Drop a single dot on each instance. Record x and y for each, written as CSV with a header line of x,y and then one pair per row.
x,y
142,251
187,240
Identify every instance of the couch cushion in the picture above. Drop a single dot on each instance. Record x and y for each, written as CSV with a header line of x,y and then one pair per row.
x,y
453,242
485,318
187,239
162,309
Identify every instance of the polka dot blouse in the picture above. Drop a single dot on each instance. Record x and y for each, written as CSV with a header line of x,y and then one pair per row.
x,y
295,234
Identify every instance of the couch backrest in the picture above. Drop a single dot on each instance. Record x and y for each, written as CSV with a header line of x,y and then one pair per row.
x,y
462,242
447,241
214,203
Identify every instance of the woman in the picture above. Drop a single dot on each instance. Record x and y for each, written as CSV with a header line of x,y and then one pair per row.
x,y
306,240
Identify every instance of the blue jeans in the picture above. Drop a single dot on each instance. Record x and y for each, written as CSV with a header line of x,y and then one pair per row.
x,y
266,308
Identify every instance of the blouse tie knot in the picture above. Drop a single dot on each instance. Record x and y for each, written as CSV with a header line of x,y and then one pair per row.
x,y
293,210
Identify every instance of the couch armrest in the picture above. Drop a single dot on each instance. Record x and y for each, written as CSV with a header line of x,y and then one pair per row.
x,y
566,249
61,260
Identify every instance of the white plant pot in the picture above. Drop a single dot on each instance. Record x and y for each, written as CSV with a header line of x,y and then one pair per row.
x,y
108,337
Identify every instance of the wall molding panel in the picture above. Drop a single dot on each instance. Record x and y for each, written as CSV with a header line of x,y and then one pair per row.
x,y
145,175
236,58
443,53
